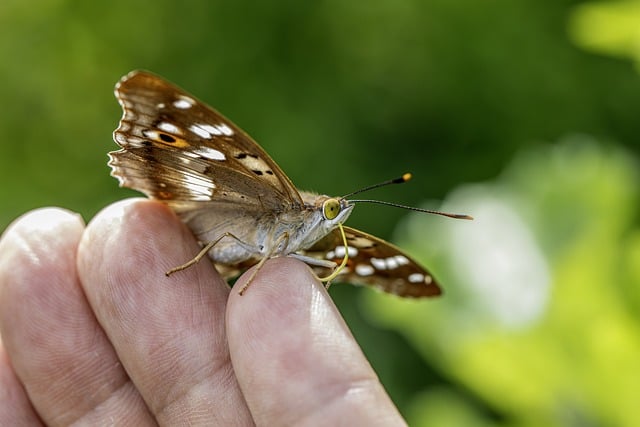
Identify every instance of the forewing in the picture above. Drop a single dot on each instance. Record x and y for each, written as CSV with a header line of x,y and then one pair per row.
x,y
177,149
374,262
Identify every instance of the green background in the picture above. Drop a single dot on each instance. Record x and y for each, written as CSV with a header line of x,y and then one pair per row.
x,y
523,114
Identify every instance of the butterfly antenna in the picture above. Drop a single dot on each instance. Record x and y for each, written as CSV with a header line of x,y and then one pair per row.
x,y
411,208
401,180
404,178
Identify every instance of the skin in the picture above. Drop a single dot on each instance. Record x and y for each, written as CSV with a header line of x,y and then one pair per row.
x,y
93,332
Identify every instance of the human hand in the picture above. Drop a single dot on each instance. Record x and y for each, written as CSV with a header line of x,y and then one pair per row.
x,y
94,333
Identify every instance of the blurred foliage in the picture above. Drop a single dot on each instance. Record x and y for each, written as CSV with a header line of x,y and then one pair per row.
x,y
556,344
535,102
609,27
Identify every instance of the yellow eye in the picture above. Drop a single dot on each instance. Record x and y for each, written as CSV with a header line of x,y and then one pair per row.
x,y
330,209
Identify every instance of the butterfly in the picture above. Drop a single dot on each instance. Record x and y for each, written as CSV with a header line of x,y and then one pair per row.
x,y
236,200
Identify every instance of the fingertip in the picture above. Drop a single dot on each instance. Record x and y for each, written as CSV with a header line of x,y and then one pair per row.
x,y
279,282
134,236
284,295
40,225
37,243
294,356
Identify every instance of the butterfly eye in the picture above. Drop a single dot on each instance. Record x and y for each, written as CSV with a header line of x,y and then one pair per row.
x,y
330,209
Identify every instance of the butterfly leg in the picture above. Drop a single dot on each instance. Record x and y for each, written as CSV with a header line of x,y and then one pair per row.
x,y
253,275
314,261
203,252
284,240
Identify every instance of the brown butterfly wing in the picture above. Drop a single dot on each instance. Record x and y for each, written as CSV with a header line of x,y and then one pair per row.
x,y
179,150
375,263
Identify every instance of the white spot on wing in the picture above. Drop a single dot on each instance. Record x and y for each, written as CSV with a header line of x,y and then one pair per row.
x,y
379,263
417,278
364,270
213,130
340,252
206,130
183,102
226,130
169,127
152,134
401,259
391,263
210,153
198,130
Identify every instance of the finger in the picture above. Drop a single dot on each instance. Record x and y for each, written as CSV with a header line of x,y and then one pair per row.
x,y
58,351
168,331
294,357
